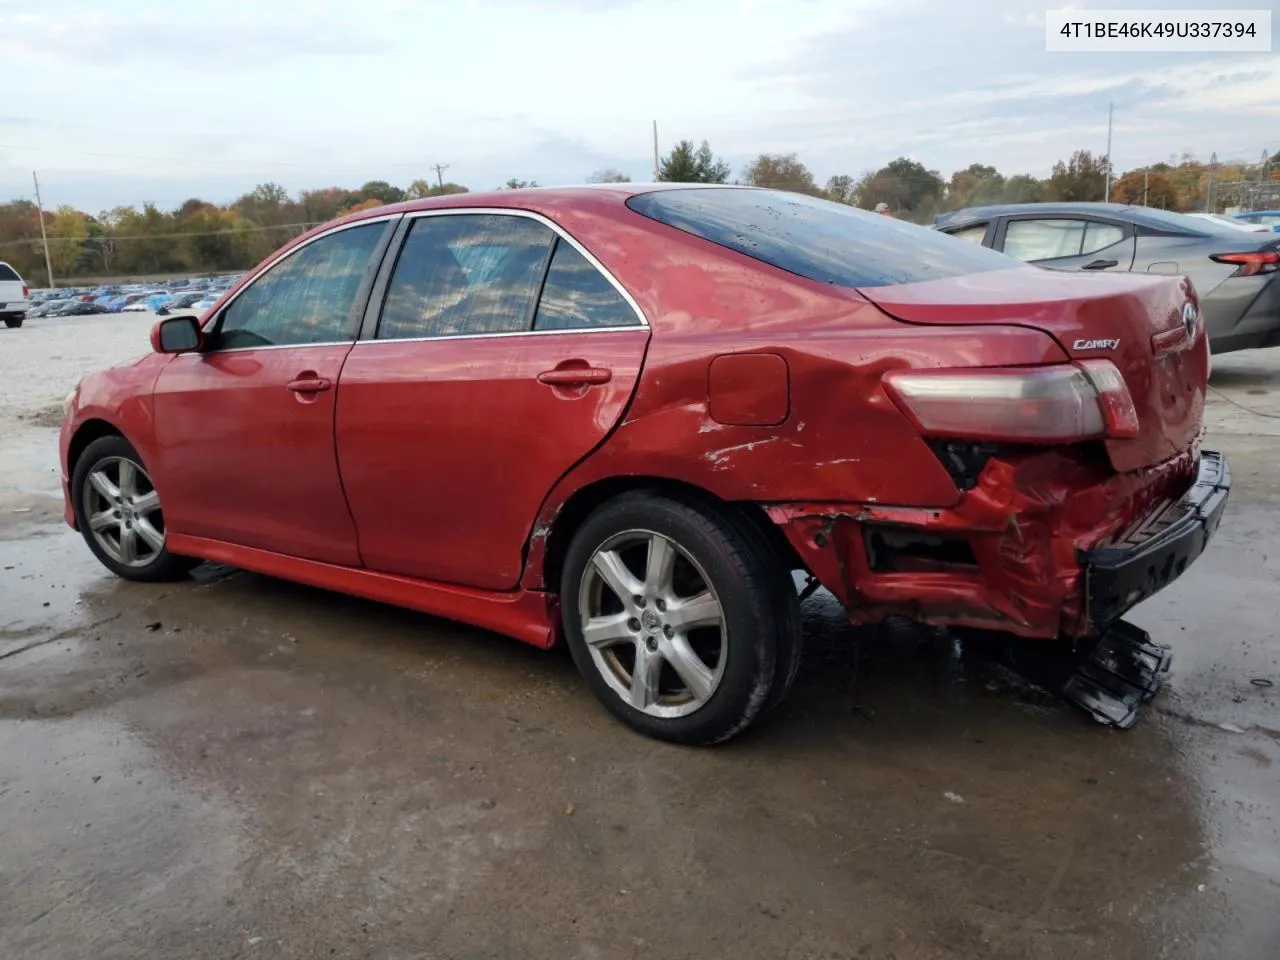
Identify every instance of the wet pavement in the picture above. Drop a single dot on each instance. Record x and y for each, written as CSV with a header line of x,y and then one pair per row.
x,y
238,766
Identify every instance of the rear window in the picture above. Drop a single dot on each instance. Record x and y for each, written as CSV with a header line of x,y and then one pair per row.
x,y
817,239
7,272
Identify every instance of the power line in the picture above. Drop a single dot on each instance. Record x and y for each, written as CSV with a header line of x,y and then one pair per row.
x,y
158,236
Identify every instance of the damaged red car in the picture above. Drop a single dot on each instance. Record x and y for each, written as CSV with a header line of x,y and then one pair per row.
x,y
625,415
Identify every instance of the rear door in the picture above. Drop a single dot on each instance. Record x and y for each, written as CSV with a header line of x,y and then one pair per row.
x,y
502,355
1062,242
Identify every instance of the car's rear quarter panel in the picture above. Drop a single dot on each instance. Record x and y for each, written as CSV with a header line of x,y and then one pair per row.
x,y
843,439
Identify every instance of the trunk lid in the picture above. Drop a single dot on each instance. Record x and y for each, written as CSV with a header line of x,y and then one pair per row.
x,y
1138,322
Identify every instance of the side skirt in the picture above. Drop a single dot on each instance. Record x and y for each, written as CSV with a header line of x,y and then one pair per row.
x,y
526,615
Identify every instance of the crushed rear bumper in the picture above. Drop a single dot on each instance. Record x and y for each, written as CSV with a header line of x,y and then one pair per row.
x,y
1156,552
1047,544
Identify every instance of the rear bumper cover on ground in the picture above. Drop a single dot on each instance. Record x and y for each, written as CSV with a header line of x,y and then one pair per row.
x,y
1155,554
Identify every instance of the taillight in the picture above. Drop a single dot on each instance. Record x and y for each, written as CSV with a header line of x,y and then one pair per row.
x,y
1057,404
1250,264
26,291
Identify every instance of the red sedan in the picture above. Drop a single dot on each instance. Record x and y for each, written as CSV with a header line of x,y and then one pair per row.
x,y
624,415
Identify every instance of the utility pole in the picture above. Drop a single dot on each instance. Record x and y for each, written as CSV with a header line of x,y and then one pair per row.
x,y
48,266
1146,182
1111,107
656,166
440,168
1210,189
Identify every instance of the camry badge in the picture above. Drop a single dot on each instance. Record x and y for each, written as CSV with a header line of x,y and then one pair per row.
x,y
1095,344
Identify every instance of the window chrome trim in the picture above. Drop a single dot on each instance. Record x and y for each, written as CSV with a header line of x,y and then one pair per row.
x,y
554,228
216,316
269,346
495,336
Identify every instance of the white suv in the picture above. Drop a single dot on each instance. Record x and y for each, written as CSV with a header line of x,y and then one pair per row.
x,y
13,296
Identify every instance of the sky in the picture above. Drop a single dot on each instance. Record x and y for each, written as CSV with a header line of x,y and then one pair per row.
x,y
129,101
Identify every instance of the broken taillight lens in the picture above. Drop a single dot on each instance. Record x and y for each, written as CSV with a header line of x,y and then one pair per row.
x,y
1056,404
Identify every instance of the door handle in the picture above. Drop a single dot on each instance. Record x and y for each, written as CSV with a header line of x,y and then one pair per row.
x,y
575,376
1101,265
309,385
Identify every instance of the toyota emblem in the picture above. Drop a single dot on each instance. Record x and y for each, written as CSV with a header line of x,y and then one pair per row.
x,y
1190,315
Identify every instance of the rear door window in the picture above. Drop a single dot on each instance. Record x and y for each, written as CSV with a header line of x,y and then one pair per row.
x,y
816,239
8,273
1099,236
466,275
577,296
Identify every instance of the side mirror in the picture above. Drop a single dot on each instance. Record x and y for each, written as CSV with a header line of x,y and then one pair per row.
x,y
176,335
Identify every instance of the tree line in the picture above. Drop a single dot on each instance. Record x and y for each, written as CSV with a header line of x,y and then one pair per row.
x,y
203,237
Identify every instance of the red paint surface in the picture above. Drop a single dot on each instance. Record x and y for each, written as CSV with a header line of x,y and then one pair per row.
x,y
749,390
431,474
242,458
448,447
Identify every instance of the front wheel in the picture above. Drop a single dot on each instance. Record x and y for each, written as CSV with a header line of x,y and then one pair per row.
x,y
118,512
677,619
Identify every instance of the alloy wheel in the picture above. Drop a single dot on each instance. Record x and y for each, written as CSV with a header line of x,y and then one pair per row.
x,y
122,511
653,624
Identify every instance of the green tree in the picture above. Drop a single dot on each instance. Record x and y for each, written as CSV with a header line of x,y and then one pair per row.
x,y
1022,188
841,188
1082,177
421,189
1145,188
781,171
905,185
973,186
684,164
514,184
381,191
67,233
219,239
608,175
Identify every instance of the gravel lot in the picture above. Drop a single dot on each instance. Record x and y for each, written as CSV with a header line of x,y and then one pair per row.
x,y
238,766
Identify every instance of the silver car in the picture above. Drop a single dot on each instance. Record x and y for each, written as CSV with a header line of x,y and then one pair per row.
x,y
1236,274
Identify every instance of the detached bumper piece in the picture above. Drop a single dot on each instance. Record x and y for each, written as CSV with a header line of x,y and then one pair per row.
x,y
1109,677
1152,555
1122,672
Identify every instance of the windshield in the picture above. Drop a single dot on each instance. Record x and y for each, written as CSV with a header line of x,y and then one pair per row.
x,y
817,239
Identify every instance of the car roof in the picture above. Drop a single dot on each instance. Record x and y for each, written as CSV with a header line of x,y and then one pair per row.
x,y
1118,211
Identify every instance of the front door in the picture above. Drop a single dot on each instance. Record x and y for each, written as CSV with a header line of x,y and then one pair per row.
x,y
244,428
478,393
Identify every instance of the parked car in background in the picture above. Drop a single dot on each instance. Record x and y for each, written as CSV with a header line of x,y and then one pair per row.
x,y
1263,218
75,308
1231,222
44,307
13,296
179,301
1236,274
657,402
205,302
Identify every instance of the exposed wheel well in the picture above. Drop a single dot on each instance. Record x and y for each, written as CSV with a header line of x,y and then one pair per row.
x,y
579,506
88,432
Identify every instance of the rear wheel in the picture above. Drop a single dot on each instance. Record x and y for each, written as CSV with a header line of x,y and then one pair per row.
x,y
119,514
13,322
675,617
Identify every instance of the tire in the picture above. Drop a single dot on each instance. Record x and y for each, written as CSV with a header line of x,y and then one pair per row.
x,y
712,667
13,322
131,545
